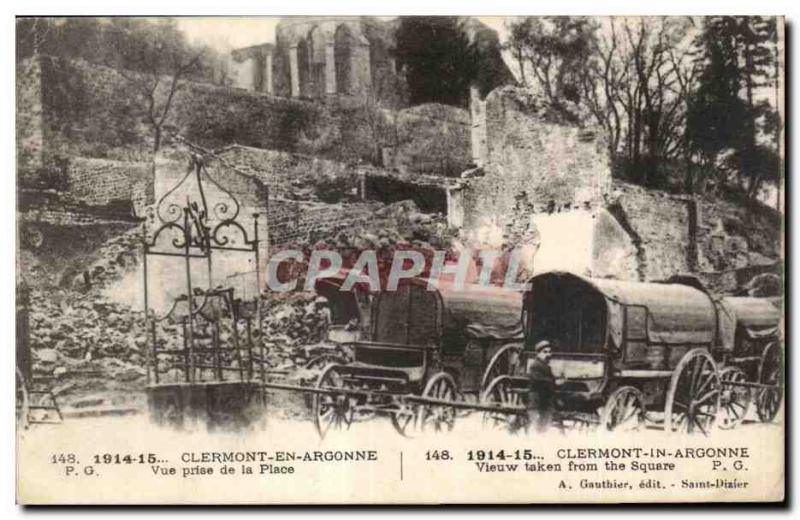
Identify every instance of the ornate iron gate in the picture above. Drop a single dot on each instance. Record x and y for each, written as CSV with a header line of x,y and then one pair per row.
x,y
206,360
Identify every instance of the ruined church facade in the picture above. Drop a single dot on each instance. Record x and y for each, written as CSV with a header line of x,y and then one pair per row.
x,y
320,57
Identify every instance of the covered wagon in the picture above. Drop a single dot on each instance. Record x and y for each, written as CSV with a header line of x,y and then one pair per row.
x,y
626,352
427,351
756,356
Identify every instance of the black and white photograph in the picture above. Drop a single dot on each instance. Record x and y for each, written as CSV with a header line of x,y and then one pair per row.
x,y
400,259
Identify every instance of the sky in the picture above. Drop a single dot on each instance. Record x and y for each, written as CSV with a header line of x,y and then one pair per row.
x,y
231,33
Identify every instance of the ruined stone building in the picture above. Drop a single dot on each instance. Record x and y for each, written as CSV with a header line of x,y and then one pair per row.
x,y
317,57
546,183
507,171
314,57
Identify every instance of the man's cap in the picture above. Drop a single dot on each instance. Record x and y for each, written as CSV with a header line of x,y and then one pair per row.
x,y
542,344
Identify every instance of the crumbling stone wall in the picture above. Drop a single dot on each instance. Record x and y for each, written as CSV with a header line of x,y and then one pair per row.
x,y
306,222
477,110
529,145
89,111
296,176
102,119
659,225
370,224
534,163
735,236
428,192
62,235
546,179
104,182
676,234
430,138
59,244
312,179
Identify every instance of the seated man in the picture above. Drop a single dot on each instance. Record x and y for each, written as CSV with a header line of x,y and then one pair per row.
x,y
542,386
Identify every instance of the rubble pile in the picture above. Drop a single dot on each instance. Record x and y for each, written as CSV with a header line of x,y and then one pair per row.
x,y
392,227
113,259
292,324
86,344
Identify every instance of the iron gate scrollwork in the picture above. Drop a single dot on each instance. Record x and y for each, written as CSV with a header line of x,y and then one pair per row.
x,y
206,359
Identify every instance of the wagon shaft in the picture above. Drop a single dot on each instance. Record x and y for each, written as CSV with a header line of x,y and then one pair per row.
x,y
461,405
330,390
749,384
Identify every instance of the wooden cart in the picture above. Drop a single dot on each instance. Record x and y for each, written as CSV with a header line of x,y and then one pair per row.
x,y
627,354
425,359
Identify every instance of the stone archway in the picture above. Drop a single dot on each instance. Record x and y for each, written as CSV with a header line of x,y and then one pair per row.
x,y
343,43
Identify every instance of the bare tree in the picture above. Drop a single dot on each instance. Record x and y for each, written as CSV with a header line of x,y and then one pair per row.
x,y
554,50
636,87
154,58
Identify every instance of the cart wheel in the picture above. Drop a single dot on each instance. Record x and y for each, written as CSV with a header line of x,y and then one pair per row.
x,y
503,363
23,402
624,410
314,368
321,361
770,372
580,423
412,419
333,410
439,418
735,400
694,394
405,419
501,392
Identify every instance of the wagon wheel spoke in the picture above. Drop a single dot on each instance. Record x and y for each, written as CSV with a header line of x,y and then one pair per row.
x,y
693,398
706,396
333,408
327,419
737,403
681,422
770,372
623,410
500,392
697,423
433,417
773,376
706,382
633,412
693,375
735,400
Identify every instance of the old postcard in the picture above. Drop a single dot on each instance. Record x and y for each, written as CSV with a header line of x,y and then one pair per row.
x,y
400,260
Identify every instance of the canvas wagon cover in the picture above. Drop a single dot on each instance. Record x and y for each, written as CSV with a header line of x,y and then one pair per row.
x,y
677,314
482,311
757,317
